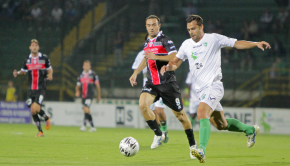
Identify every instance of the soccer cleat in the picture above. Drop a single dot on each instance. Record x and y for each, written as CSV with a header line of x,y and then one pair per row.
x,y
83,128
166,137
93,129
252,138
199,154
192,147
40,134
47,124
157,140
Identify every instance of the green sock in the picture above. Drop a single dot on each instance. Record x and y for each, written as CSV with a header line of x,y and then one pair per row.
x,y
204,132
192,121
236,125
163,126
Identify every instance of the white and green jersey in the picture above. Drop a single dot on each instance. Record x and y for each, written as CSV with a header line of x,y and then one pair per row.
x,y
204,57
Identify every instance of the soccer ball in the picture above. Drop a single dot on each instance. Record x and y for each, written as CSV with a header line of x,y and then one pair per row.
x,y
129,146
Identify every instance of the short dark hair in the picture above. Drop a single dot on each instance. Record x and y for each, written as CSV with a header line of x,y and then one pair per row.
x,y
87,61
152,17
197,18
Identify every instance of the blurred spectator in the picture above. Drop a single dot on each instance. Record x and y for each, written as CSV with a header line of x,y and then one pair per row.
x,y
56,14
253,29
210,27
189,9
226,56
277,50
45,17
282,3
154,8
84,5
36,17
278,68
235,59
245,30
266,20
282,18
70,12
119,41
247,60
11,95
219,27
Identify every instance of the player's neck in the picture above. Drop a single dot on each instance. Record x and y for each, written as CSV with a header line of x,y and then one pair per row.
x,y
34,55
152,37
201,36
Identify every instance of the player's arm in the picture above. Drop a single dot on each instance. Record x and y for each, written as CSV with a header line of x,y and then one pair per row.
x,y
49,74
78,90
241,44
133,78
97,83
18,73
171,66
150,55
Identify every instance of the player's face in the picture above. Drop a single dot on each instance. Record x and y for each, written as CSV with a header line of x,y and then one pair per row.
x,y
152,27
195,31
34,47
87,66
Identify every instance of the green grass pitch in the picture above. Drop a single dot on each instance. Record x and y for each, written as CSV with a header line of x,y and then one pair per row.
x,y
69,146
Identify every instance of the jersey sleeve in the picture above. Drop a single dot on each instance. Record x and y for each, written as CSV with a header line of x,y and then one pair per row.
x,y
78,80
24,67
47,64
188,78
225,41
169,45
138,60
181,52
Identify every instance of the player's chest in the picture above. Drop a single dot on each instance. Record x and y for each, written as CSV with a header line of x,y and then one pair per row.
x,y
35,64
155,46
197,51
85,78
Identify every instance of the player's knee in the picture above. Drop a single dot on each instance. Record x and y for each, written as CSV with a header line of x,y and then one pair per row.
x,y
143,106
201,114
180,117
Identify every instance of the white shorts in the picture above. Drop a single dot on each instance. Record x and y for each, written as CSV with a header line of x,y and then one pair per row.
x,y
193,105
159,103
212,95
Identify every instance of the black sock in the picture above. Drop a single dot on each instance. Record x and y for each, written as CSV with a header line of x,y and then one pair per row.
x,y
37,122
154,126
190,136
85,119
163,123
42,114
90,120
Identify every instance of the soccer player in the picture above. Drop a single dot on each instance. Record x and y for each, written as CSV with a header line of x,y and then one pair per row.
x,y
39,70
203,52
157,107
87,81
159,49
193,99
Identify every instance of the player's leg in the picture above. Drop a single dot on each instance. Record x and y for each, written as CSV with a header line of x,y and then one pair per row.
x,y
160,106
153,108
87,111
145,101
39,99
35,108
221,123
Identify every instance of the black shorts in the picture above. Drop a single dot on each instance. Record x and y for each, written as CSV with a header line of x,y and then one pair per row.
x,y
87,101
169,92
36,96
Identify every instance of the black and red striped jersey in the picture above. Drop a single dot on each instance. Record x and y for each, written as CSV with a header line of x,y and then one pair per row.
x,y
36,68
87,82
162,46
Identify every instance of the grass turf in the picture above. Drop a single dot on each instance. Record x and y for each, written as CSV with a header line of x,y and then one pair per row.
x,y
69,146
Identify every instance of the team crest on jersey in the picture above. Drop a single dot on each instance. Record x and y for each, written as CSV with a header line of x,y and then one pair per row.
x,y
198,65
150,44
205,44
34,61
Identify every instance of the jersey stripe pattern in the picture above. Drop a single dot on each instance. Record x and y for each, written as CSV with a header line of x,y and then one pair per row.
x,y
162,46
87,82
36,67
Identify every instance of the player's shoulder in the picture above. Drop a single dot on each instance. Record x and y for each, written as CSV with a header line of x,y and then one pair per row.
x,y
186,42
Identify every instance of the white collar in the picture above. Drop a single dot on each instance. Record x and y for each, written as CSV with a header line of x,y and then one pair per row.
x,y
158,35
90,71
39,55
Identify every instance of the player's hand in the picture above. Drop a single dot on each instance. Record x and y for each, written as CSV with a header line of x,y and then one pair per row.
x,y
166,68
15,74
49,77
133,79
149,55
263,44
77,94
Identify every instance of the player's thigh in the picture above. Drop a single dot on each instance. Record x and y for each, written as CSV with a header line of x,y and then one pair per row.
x,y
218,120
87,102
171,96
146,99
